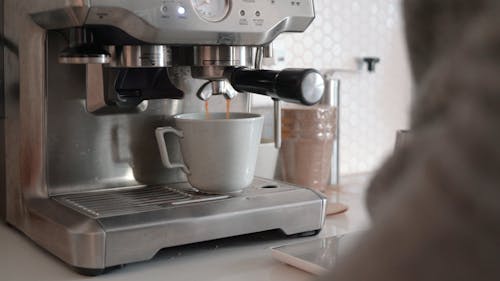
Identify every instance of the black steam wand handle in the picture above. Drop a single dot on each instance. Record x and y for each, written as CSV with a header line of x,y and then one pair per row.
x,y
296,85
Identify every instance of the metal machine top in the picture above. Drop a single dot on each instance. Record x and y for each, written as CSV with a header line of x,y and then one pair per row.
x,y
184,22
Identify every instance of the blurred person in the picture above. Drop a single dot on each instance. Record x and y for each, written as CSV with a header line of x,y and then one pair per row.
x,y
435,204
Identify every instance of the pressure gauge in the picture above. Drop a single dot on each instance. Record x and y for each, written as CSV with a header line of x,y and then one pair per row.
x,y
211,10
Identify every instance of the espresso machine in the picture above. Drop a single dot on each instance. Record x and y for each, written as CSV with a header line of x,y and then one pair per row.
x,y
86,84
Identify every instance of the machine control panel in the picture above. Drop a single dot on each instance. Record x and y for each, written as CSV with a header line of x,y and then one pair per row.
x,y
201,22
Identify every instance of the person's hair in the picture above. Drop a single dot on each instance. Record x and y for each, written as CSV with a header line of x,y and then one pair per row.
x,y
433,26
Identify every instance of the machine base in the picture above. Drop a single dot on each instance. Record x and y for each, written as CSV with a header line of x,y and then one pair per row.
x,y
98,231
264,236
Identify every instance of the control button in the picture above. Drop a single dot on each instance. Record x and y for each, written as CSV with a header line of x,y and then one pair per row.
x,y
257,13
164,10
181,11
242,13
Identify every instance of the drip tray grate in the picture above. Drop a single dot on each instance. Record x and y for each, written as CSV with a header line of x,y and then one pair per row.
x,y
101,204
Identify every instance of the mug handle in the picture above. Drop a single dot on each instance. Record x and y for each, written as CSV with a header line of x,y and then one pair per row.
x,y
162,146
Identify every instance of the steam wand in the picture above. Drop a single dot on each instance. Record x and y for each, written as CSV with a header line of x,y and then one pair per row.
x,y
267,52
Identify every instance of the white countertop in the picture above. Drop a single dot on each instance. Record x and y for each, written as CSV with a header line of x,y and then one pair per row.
x,y
241,258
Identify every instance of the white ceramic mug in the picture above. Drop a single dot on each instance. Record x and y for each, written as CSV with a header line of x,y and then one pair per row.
x,y
219,154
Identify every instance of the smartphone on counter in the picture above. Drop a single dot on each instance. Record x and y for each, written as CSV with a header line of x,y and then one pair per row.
x,y
316,256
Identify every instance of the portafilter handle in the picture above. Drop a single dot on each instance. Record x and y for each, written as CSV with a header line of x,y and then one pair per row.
x,y
303,86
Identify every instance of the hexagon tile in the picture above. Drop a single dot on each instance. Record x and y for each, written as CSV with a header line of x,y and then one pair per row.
x,y
373,105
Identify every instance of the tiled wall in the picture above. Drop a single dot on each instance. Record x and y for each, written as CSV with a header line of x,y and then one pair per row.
x,y
373,105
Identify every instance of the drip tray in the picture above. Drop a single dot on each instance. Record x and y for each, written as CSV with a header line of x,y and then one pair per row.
x,y
110,203
129,224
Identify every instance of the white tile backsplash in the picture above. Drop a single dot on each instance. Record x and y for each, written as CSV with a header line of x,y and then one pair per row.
x,y
373,105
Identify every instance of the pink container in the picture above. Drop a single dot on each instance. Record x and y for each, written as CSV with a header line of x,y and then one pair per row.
x,y
308,134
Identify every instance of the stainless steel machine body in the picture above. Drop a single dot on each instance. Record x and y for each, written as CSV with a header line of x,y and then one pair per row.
x,y
82,175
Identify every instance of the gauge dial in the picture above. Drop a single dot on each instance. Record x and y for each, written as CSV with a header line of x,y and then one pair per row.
x,y
211,10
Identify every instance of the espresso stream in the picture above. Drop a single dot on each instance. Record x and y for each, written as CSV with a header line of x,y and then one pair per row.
x,y
228,109
207,114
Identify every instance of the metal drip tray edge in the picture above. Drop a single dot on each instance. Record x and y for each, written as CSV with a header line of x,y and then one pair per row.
x,y
103,204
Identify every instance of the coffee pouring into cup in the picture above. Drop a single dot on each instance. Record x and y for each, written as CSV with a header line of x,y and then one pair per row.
x,y
219,150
